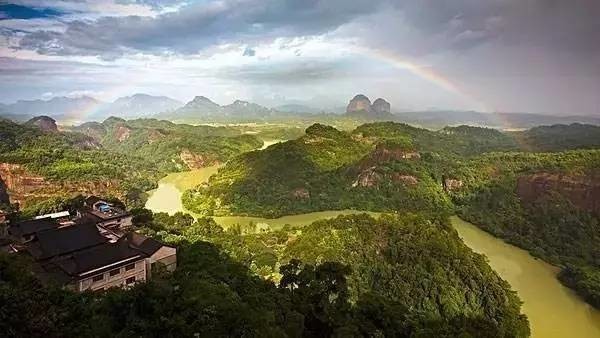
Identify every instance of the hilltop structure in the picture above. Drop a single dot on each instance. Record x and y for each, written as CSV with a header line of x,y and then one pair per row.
x,y
91,250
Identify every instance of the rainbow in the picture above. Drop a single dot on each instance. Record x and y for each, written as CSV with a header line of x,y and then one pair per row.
x,y
424,72
430,75
81,114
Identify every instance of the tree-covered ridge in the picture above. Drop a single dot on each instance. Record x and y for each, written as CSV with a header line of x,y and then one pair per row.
x,y
119,158
560,137
414,262
171,147
461,140
215,292
379,167
543,202
71,157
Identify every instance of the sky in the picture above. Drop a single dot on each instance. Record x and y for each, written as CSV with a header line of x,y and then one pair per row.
x,y
538,56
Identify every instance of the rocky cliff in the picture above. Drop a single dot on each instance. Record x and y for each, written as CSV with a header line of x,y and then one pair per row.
x,y
360,106
360,103
384,153
45,123
381,107
582,191
4,198
24,187
195,161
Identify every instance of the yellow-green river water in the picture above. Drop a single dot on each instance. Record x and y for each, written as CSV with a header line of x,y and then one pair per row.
x,y
554,311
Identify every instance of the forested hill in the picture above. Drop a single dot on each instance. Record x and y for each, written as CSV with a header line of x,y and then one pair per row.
x,y
116,158
354,276
40,162
171,147
560,137
380,166
545,202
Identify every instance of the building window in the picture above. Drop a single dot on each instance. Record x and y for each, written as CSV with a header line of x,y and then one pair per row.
x,y
115,272
130,267
130,280
98,278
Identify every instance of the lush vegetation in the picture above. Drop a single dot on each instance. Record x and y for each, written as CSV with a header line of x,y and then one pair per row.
x,y
406,274
73,160
473,170
102,164
560,137
542,202
366,169
166,144
432,287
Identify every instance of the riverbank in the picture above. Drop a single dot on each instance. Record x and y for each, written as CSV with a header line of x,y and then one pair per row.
x,y
553,310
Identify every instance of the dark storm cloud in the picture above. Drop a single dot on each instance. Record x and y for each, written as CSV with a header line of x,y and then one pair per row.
x,y
429,26
13,67
197,26
289,73
15,11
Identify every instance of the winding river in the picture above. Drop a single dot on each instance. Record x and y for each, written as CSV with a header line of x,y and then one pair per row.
x,y
554,311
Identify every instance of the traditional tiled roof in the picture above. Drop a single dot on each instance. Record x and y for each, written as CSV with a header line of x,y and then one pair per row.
x,y
32,226
146,244
65,240
100,258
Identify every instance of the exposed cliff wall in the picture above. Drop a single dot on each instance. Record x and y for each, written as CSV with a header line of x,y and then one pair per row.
x,y
385,154
23,186
45,123
4,198
582,191
360,103
196,161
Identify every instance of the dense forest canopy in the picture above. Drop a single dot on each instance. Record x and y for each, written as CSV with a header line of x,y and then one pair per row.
x,y
130,155
490,178
387,288
404,274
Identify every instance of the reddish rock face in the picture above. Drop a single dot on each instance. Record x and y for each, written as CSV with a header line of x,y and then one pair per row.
x,y
301,193
195,161
452,184
4,199
359,103
582,191
45,123
384,154
19,182
122,133
368,178
404,179
24,186
381,106
155,135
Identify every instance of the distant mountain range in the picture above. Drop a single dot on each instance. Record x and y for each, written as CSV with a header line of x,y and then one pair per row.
x,y
441,118
89,108
203,110
139,105
62,108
